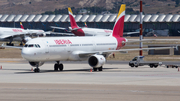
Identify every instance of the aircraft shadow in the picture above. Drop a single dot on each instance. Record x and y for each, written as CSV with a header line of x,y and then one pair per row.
x,y
52,71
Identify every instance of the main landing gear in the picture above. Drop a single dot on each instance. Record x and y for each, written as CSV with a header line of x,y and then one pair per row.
x,y
58,66
9,44
100,68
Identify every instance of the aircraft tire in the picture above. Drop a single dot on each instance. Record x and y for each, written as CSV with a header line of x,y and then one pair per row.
x,y
95,69
155,66
36,70
61,67
55,67
100,68
151,65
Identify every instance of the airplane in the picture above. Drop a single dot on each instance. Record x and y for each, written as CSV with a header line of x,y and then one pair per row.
x,y
86,31
83,31
94,49
17,34
34,31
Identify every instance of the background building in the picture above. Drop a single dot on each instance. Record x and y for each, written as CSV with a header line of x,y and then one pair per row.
x,y
159,23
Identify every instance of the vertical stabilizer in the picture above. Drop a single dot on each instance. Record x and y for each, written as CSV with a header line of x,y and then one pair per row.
x,y
72,20
85,24
21,25
119,24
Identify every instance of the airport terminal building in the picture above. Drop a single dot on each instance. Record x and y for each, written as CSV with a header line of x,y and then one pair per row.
x,y
168,24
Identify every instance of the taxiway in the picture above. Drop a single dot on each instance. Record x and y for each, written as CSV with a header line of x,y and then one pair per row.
x,y
116,82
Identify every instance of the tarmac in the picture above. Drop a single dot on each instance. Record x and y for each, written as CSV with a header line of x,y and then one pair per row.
x,y
116,82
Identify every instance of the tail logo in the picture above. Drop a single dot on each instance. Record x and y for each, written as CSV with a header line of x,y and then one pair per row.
x,y
119,24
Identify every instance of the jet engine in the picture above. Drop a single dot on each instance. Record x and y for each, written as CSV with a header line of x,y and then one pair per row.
x,y
27,39
35,64
96,60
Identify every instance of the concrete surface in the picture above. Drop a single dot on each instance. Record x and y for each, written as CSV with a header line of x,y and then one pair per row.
x,y
76,83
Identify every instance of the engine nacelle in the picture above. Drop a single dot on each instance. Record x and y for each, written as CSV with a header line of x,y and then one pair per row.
x,y
27,39
44,34
96,61
34,64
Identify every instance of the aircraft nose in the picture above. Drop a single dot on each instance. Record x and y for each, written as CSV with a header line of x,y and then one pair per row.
x,y
26,53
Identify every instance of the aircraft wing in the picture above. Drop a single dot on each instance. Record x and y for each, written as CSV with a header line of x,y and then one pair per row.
x,y
144,40
129,33
65,28
5,36
76,28
83,54
14,35
58,27
4,46
70,34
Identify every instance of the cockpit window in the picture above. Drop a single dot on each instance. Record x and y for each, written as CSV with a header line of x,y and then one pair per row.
x,y
38,45
25,45
32,45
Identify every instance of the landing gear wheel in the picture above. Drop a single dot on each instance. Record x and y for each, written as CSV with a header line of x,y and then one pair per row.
x,y
56,67
100,68
151,66
95,69
61,67
21,44
36,70
9,44
155,66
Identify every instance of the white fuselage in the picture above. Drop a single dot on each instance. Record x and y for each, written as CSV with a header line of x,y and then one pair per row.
x,y
10,32
93,31
66,48
97,32
16,33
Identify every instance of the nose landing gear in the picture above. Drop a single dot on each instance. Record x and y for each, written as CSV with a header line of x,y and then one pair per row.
x,y
37,70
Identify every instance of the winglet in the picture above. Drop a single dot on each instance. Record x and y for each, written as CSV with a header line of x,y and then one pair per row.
x,y
119,24
72,20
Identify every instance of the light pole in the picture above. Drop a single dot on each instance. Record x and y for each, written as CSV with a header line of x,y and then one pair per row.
x,y
95,13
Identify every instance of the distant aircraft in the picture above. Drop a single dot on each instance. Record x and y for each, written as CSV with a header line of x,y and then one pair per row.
x,y
85,24
17,34
94,49
86,31
34,31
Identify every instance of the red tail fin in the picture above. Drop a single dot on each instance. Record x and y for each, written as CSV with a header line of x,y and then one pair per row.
x,y
21,25
85,24
119,24
72,20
